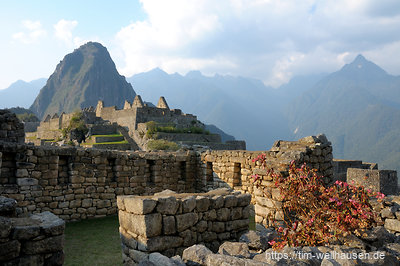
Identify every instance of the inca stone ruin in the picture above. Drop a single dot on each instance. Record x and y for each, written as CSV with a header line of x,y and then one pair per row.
x,y
131,123
76,183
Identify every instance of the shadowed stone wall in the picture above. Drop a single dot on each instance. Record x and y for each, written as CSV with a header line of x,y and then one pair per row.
x,y
34,240
169,223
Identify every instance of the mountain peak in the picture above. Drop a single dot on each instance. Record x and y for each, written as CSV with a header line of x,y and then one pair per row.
x,y
194,74
82,78
362,68
360,59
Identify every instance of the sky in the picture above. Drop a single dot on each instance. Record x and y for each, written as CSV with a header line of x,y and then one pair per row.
x,y
271,40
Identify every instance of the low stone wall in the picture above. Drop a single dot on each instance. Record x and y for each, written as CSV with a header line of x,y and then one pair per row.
x,y
77,183
35,240
384,181
168,223
11,129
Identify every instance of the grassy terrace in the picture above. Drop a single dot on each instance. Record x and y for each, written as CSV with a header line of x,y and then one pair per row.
x,y
112,135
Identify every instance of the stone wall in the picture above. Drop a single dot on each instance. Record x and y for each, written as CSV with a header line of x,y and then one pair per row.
x,y
169,222
11,129
34,240
77,183
236,168
384,181
340,167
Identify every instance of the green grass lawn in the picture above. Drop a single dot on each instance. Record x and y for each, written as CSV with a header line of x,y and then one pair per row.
x,y
111,135
93,242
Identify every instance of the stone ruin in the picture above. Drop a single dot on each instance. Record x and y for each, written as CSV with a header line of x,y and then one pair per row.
x,y
131,123
77,183
37,239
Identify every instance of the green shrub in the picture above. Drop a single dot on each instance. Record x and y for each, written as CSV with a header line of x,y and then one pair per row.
x,y
76,123
161,144
153,128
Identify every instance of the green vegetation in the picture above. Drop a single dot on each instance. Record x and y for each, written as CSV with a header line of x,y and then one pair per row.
x,y
114,142
111,135
153,128
252,222
93,242
77,124
161,144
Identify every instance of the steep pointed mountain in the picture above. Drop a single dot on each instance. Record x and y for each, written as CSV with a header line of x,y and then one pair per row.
x,y
21,93
358,107
242,107
83,77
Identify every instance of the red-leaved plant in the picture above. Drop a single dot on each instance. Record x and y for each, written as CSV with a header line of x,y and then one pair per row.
x,y
316,214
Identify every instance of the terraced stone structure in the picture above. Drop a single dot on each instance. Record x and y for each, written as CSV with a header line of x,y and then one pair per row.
x,y
131,123
170,222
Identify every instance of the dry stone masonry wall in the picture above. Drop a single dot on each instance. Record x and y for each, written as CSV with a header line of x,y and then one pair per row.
x,y
169,222
34,240
76,183
11,129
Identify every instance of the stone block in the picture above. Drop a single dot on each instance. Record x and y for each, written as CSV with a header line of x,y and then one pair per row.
x,y
188,204
392,224
25,232
47,245
186,220
223,214
202,203
169,225
196,255
167,205
230,201
21,173
148,225
243,200
160,243
139,205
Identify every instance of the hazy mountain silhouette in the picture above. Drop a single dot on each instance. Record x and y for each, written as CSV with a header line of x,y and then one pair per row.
x,y
358,107
21,93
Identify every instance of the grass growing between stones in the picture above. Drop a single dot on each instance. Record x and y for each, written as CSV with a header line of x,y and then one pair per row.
x,y
93,242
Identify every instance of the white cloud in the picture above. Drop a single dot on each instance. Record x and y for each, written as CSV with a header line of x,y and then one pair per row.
x,y
266,39
32,33
63,30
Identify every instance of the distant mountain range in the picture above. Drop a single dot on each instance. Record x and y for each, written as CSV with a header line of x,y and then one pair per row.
x,y
357,107
242,107
80,80
21,93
